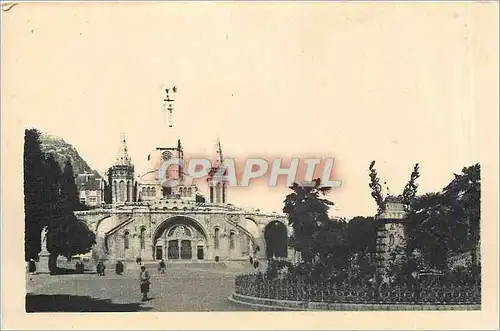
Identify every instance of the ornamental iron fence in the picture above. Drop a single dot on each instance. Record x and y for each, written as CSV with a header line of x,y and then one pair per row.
x,y
257,285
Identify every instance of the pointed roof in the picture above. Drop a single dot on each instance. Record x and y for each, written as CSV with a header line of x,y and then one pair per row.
x,y
123,158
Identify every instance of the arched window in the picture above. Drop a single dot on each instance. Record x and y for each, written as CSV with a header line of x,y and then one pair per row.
x,y
216,238
122,191
143,238
143,191
218,193
153,191
231,240
391,240
126,239
189,192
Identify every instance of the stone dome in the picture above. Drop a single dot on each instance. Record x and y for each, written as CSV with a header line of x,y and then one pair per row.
x,y
151,174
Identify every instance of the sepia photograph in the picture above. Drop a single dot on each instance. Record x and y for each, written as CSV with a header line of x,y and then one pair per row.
x,y
219,157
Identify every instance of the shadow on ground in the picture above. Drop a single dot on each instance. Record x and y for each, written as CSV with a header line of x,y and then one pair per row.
x,y
66,271
76,303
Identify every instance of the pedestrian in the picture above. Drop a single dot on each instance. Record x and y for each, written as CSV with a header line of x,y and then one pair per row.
x,y
32,267
100,268
162,267
119,267
144,279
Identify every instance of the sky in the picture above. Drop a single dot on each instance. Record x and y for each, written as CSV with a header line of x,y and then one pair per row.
x,y
392,83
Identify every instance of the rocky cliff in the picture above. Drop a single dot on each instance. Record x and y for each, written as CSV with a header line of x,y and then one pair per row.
x,y
61,150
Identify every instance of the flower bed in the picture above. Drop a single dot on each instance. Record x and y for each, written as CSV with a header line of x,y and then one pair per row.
x,y
257,285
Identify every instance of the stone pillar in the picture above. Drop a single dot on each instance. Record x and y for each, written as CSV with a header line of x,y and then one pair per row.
x,y
114,190
194,250
261,254
130,187
43,256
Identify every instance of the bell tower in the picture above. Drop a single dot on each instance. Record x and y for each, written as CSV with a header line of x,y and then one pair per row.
x,y
217,183
391,240
121,175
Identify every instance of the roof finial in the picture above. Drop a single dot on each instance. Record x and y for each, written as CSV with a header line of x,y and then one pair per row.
x,y
123,157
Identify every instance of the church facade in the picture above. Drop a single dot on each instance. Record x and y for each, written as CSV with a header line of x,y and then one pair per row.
x,y
153,221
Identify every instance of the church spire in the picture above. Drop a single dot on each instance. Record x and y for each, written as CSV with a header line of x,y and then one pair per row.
x,y
123,158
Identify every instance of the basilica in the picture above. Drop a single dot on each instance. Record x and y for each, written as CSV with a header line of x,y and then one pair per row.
x,y
153,221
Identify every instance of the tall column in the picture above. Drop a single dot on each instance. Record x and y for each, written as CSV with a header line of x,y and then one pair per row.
x,y
129,187
114,189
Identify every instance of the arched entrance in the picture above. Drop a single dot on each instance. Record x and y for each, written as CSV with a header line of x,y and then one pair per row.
x,y
276,237
179,243
179,238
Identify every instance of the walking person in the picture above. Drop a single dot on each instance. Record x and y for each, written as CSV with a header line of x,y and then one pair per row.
x,y
32,267
119,267
161,267
100,268
144,279
79,267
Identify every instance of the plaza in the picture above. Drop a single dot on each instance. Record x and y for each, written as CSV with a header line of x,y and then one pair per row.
x,y
183,288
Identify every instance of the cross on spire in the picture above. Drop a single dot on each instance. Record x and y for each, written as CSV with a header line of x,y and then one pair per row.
x,y
168,104
123,158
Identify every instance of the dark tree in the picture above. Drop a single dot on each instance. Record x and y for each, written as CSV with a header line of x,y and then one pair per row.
x,y
69,191
50,198
362,233
67,235
361,237
410,190
428,228
464,194
70,237
332,247
35,217
447,223
307,213
376,188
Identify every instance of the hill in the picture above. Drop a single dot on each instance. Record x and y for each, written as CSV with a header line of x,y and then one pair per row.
x,y
61,150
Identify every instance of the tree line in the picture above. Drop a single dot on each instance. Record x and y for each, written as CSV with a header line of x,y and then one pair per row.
x,y
437,226
50,199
